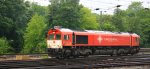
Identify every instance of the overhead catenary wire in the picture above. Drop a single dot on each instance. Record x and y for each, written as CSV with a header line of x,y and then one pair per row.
x,y
97,3
110,6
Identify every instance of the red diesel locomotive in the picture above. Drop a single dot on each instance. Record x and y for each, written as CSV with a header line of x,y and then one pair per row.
x,y
63,42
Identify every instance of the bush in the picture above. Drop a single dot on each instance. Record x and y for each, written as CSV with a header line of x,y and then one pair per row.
x,y
4,46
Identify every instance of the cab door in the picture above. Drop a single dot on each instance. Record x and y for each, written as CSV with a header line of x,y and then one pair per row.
x,y
67,40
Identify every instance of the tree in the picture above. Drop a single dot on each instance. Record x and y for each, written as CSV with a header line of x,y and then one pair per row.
x,y
117,20
13,20
108,27
144,27
37,9
106,22
64,13
133,18
88,20
6,25
34,37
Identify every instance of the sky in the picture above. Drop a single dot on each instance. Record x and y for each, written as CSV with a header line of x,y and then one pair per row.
x,y
106,6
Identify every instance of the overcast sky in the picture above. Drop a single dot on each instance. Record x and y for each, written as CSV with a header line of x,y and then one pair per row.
x,y
106,6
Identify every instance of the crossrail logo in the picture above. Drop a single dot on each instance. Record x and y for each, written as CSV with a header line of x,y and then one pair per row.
x,y
99,39
110,39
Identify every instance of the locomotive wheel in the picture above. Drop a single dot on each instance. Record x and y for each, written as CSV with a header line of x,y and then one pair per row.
x,y
59,57
133,54
87,55
115,53
133,51
67,53
75,54
120,52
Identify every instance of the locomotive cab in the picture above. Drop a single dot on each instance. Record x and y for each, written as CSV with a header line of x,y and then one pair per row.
x,y
54,39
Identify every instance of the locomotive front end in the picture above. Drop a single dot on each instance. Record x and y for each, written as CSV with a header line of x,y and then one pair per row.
x,y
54,42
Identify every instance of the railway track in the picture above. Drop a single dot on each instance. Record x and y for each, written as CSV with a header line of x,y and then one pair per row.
x,y
39,55
78,63
145,50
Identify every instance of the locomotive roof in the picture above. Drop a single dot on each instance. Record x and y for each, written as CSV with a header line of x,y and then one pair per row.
x,y
65,30
93,31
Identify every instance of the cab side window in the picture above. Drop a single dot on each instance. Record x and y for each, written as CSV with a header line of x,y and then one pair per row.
x,y
137,39
58,36
66,37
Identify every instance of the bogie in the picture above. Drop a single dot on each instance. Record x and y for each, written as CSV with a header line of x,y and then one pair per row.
x,y
77,52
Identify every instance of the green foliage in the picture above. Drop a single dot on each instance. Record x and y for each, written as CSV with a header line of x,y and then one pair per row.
x,y
37,9
132,17
12,21
135,6
69,14
64,13
14,16
144,28
6,25
34,37
118,21
4,46
106,23
88,20
108,27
